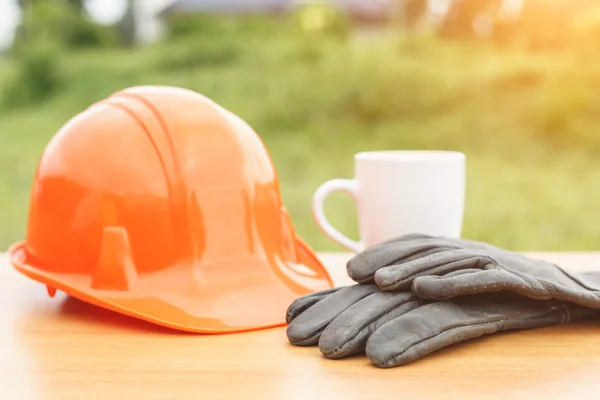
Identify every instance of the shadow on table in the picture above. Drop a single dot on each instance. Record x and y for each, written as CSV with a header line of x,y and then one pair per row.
x,y
73,309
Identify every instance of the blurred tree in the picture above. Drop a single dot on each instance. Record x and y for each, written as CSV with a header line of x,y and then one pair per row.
x,y
462,16
77,5
41,20
37,78
411,13
544,24
537,24
585,30
63,22
127,26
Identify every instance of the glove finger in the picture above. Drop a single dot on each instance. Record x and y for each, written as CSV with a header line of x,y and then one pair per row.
x,y
306,328
302,303
400,276
441,324
348,333
494,280
461,272
478,281
364,265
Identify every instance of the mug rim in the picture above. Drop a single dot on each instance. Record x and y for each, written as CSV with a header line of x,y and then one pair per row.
x,y
409,155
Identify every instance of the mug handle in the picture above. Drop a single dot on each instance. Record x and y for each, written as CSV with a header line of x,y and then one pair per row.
x,y
348,186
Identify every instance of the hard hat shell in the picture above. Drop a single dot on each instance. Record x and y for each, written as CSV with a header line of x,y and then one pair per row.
x,y
160,204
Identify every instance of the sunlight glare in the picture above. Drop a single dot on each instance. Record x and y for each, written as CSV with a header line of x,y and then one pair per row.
x,y
106,12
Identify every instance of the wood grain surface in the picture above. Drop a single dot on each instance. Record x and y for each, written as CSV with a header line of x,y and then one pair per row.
x,y
62,348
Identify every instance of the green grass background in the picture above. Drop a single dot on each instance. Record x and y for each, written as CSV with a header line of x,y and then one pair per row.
x,y
529,122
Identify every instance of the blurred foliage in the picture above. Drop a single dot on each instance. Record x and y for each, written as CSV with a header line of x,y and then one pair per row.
x,y
321,21
192,53
35,78
205,27
60,22
48,30
518,97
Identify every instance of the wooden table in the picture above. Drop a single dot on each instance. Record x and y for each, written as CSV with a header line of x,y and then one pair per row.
x,y
62,348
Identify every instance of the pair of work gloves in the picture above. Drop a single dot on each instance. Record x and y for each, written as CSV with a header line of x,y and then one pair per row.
x,y
417,294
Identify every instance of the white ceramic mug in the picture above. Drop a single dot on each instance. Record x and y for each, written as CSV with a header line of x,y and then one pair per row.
x,y
397,193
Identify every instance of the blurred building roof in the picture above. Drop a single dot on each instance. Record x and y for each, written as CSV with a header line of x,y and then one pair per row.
x,y
378,9
226,6
362,8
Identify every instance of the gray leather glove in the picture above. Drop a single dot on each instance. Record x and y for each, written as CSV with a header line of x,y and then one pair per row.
x,y
340,320
365,302
396,328
423,262
436,325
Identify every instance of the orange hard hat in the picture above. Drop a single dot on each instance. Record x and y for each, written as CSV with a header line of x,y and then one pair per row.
x,y
162,205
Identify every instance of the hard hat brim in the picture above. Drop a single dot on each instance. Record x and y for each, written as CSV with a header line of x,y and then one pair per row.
x,y
175,299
